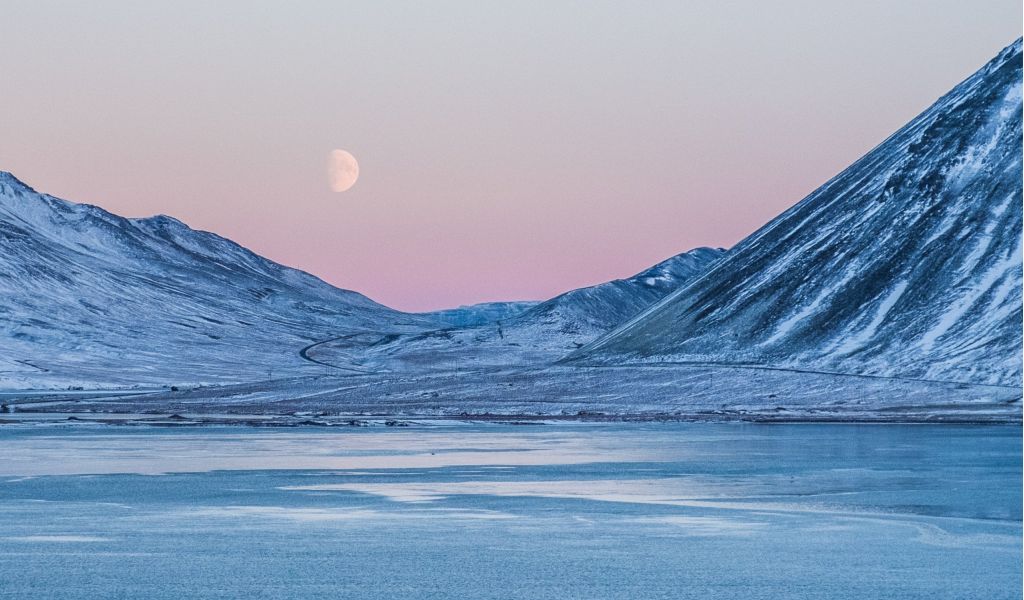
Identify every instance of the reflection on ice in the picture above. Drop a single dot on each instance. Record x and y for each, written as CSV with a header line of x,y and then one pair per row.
x,y
707,526
314,515
176,452
64,539
674,491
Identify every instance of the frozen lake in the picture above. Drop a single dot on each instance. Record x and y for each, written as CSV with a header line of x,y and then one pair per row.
x,y
503,511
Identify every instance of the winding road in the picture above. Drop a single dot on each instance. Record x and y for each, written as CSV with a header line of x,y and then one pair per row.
x,y
304,352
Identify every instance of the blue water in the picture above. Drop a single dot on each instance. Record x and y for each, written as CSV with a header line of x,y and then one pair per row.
x,y
498,511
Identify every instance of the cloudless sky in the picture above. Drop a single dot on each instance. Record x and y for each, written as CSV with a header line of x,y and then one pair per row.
x,y
507,150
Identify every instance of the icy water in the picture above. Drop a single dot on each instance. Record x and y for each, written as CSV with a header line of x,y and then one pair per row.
x,y
501,511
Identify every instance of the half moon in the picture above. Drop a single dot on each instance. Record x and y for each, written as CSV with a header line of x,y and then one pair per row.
x,y
342,170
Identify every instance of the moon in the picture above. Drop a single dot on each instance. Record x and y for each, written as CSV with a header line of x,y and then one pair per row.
x,y
342,170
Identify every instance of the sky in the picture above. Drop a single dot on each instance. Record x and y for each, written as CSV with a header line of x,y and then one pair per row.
x,y
507,150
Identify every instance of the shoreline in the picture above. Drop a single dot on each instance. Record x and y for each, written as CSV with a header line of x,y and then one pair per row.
x,y
291,420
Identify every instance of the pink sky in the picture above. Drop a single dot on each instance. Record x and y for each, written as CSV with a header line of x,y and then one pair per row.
x,y
507,150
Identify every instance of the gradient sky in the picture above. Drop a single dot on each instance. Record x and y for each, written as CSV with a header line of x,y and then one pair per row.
x,y
508,150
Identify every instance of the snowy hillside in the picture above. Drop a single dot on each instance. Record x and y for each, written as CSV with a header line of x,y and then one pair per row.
x,y
480,314
906,264
537,336
587,312
91,298
88,298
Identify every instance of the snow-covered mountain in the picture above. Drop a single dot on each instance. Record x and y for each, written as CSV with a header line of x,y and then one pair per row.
x,y
88,298
590,311
481,314
906,264
535,336
91,298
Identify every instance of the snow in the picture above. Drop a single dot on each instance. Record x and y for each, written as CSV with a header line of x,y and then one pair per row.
x,y
884,307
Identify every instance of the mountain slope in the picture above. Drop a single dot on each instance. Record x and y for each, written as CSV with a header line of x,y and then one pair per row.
x,y
537,335
589,311
91,298
480,314
906,264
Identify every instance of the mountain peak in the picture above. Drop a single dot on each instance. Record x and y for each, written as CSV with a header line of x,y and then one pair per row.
x,y
9,181
161,221
1012,50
